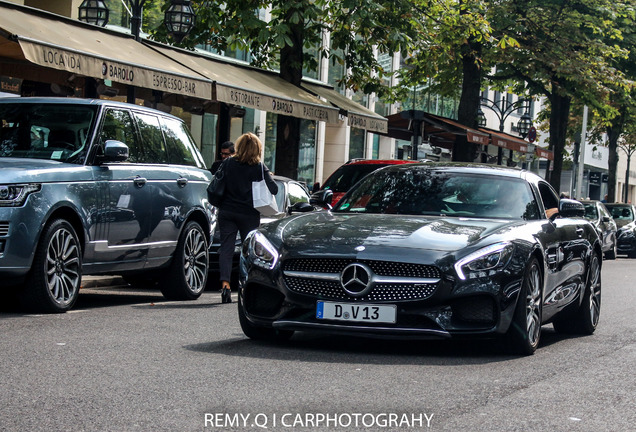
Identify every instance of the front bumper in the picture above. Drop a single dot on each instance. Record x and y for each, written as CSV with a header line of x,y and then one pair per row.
x,y
479,308
626,242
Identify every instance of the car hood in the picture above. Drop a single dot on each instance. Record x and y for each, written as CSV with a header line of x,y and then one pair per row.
x,y
345,234
19,170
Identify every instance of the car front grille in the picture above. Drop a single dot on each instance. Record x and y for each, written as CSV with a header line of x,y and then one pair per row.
x,y
421,281
4,229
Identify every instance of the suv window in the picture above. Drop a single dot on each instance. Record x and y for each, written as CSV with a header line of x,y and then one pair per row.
x,y
179,143
152,138
118,125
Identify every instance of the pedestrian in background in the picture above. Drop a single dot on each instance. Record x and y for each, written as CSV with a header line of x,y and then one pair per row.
x,y
227,150
236,210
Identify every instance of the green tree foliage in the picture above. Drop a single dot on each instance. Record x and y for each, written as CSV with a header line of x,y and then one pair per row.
x,y
358,30
566,51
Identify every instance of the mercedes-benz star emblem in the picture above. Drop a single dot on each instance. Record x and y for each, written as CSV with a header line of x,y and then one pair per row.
x,y
356,279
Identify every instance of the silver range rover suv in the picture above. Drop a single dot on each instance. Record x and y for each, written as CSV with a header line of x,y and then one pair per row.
x,y
98,187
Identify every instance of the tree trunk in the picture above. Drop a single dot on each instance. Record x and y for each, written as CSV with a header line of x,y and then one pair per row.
x,y
464,151
612,144
559,115
288,128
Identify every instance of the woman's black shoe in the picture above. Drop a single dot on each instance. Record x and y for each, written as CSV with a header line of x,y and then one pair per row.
x,y
226,295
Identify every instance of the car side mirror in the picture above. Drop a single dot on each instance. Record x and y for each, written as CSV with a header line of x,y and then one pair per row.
x,y
115,151
571,208
605,219
300,207
322,198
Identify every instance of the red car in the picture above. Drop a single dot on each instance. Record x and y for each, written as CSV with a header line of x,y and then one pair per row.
x,y
353,171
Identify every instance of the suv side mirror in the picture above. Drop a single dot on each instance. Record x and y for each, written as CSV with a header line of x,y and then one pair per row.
x,y
115,151
322,198
571,208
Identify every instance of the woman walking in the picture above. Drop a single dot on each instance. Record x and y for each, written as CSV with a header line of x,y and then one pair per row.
x,y
236,210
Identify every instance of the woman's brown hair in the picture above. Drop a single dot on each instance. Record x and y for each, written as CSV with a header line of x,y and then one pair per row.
x,y
248,149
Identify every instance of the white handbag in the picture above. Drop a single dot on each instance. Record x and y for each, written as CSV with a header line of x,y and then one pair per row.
x,y
262,198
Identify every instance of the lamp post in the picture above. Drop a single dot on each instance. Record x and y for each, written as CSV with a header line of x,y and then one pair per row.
x,y
502,110
179,19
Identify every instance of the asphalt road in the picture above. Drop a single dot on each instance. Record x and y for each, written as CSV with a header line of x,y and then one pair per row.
x,y
126,360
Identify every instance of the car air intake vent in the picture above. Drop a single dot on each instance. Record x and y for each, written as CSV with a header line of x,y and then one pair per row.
x,y
328,290
380,268
4,229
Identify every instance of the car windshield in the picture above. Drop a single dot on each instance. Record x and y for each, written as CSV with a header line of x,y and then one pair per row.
x,y
347,175
45,131
591,212
432,192
622,214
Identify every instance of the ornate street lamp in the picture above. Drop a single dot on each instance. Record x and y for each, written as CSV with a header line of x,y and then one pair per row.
x,y
179,19
94,12
481,118
524,124
502,110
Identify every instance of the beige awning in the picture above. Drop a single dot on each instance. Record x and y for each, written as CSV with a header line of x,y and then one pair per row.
x,y
358,116
60,43
253,88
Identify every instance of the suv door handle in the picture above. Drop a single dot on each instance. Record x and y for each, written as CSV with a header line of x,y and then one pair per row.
x,y
579,232
182,181
139,181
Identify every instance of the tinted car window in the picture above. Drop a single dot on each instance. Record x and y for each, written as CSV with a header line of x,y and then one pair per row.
x,y
347,175
179,143
591,211
55,132
441,193
118,125
152,138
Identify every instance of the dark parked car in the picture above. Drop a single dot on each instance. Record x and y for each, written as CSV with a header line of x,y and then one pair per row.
x,y
343,179
428,251
98,187
625,217
292,197
599,215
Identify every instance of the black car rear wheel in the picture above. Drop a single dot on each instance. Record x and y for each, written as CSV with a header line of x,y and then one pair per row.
x,y
611,254
585,319
54,281
188,272
525,330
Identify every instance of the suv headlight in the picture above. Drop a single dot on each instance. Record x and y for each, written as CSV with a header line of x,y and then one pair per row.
x,y
260,251
481,262
16,195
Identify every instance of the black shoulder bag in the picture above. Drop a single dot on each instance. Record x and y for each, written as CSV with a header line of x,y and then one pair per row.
x,y
216,188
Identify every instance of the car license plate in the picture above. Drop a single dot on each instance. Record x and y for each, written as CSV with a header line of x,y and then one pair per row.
x,y
356,312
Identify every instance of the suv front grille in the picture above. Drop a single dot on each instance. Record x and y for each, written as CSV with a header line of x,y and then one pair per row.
x,y
323,284
4,229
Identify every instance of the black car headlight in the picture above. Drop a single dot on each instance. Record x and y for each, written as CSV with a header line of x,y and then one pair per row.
x,y
15,195
483,262
260,251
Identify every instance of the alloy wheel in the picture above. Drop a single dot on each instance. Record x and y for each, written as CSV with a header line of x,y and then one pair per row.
x,y
62,267
595,291
195,259
533,306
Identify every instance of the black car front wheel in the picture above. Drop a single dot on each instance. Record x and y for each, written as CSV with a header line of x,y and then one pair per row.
x,y
54,280
585,319
261,333
525,330
188,272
